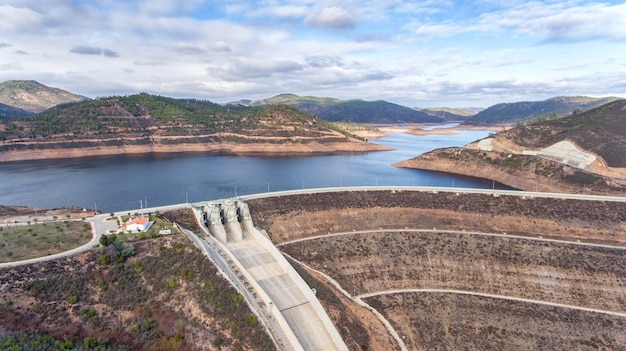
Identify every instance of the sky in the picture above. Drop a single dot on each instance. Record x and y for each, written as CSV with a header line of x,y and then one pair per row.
x,y
429,53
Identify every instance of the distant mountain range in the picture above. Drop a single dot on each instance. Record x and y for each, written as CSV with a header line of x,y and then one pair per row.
x,y
20,98
519,111
357,111
33,97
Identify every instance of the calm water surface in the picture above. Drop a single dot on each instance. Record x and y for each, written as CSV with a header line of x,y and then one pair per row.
x,y
121,182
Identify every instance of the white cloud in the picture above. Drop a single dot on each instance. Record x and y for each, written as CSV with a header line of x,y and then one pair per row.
x,y
332,17
246,69
90,50
14,19
554,23
283,12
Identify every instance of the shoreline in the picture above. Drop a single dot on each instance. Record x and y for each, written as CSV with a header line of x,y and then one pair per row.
x,y
417,128
233,149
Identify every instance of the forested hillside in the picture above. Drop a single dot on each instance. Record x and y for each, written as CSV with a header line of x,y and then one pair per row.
x,y
354,111
550,109
7,112
145,114
600,131
145,124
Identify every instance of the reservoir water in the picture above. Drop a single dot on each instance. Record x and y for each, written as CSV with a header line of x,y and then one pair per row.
x,y
128,182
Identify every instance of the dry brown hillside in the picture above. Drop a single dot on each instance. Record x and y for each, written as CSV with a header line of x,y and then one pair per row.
x,y
417,258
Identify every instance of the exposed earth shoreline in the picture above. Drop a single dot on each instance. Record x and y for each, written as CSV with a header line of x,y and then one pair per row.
x,y
39,150
231,148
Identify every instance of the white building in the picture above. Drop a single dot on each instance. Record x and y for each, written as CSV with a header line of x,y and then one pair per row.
x,y
138,224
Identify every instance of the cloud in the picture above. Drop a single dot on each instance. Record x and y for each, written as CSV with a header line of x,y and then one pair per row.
x,y
153,62
281,12
169,7
188,49
109,53
439,30
324,61
557,23
91,50
449,50
86,50
220,46
242,69
332,17
16,19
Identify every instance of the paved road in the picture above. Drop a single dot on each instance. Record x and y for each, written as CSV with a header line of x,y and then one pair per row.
x,y
502,235
439,189
392,331
493,296
99,226
97,229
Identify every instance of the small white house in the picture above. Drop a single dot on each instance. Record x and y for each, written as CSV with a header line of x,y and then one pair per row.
x,y
138,224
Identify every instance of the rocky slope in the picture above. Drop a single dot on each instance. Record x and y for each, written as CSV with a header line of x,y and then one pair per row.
x,y
32,96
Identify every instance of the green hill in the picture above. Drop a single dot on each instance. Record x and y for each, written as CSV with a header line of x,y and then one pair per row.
x,y
514,157
552,108
147,116
448,114
34,97
354,111
600,130
142,112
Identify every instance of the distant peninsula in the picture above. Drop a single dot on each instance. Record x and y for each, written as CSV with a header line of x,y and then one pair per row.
x,y
581,153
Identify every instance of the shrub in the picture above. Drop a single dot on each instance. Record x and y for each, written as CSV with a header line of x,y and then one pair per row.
x,y
218,341
252,320
104,259
72,299
102,284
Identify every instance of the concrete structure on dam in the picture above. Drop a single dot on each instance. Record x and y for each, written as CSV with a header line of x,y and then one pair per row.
x,y
271,286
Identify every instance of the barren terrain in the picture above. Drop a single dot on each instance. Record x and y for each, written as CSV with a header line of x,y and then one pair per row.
x,y
543,250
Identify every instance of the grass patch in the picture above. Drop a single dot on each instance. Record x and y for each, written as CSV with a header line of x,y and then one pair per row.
x,y
41,239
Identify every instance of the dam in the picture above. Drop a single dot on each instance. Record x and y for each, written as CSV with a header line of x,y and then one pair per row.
x,y
284,300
